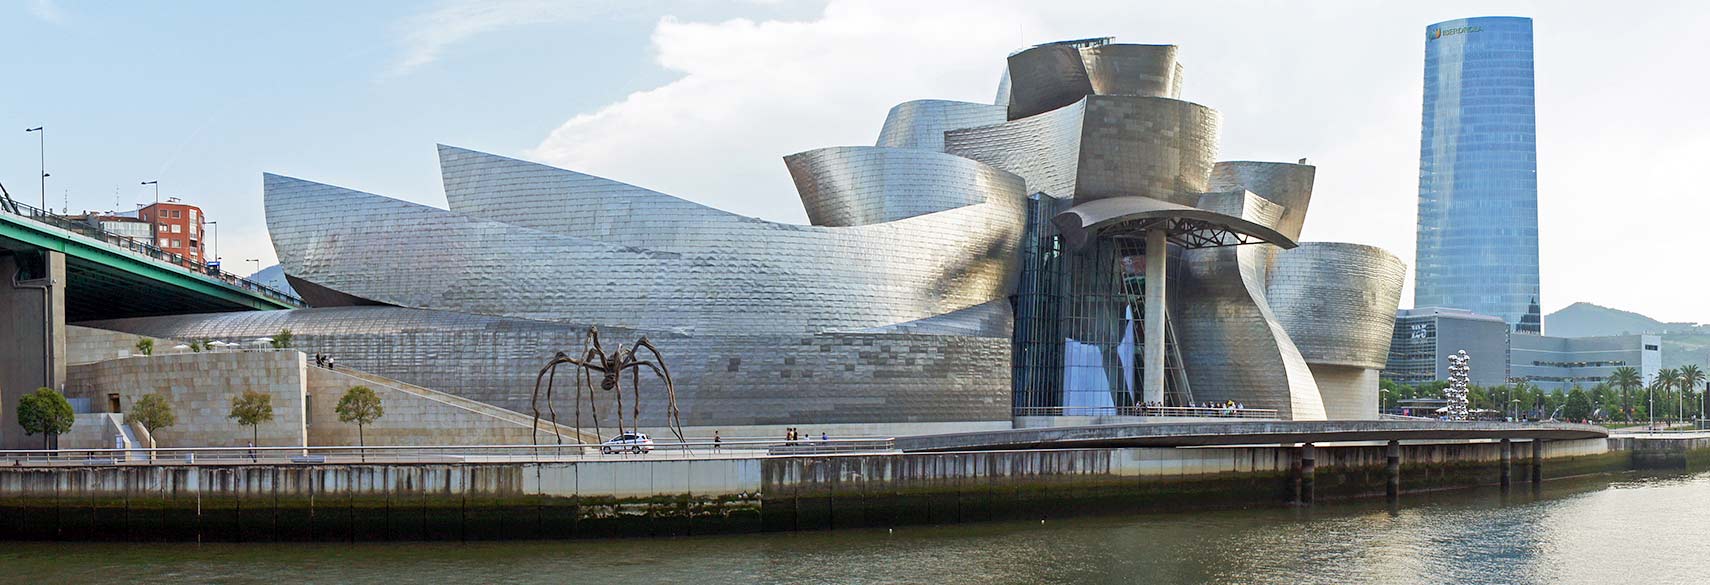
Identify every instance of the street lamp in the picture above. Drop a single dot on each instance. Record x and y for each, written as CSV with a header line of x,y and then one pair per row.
x,y
216,226
156,190
1516,403
41,154
257,262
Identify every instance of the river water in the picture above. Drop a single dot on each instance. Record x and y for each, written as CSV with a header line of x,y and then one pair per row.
x,y
1619,529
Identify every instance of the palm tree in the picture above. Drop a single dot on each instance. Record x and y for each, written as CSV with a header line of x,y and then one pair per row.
x,y
1626,378
1690,377
1662,383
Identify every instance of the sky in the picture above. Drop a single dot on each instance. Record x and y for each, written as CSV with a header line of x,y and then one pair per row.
x,y
702,99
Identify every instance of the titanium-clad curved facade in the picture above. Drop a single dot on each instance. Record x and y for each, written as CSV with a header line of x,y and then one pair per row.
x,y
922,123
1045,78
1285,184
1234,347
1139,70
864,185
564,255
944,278
1335,299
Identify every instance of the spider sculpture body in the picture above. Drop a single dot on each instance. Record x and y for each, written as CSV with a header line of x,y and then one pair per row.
x,y
610,368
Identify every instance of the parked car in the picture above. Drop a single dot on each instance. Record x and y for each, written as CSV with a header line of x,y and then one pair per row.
x,y
630,442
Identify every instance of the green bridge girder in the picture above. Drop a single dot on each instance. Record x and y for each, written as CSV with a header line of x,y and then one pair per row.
x,y
105,281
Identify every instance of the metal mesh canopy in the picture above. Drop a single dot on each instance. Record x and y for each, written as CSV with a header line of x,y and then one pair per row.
x,y
1189,227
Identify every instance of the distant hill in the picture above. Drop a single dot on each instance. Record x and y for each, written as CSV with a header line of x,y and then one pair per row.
x,y
1588,320
273,276
1682,343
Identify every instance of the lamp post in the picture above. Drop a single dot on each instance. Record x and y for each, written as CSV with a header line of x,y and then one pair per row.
x,y
257,262
41,155
154,225
216,226
1516,403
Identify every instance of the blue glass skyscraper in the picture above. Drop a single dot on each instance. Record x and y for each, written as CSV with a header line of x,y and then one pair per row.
x,y
1478,172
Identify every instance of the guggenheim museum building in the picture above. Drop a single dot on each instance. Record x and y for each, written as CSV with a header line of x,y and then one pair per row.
x,y
1074,248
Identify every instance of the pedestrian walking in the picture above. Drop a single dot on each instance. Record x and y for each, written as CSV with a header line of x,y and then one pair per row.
x,y
251,451
716,441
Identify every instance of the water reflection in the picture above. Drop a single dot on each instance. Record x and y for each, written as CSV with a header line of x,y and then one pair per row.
x,y
1584,531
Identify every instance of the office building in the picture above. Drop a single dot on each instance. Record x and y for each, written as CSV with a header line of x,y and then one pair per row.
x,y
1478,172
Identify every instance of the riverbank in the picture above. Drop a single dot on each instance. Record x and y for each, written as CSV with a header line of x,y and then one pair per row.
x,y
641,496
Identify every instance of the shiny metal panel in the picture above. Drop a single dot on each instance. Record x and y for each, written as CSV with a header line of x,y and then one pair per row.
x,y
1138,70
864,185
1285,184
1153,147
1045,78
922,123
1043,149
1337,301
1233,345
722,274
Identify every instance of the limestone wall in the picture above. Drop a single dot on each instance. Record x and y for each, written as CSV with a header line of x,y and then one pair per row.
x,y
200,387
87,345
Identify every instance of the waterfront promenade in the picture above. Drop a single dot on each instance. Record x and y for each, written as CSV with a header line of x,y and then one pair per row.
x,y
520,492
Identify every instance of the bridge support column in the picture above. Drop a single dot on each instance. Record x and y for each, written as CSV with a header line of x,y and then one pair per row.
x,y
1308,468
1392,464
1537,463
1507,464
32,335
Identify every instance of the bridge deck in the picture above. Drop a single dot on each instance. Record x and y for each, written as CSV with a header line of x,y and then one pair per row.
x,y
112,276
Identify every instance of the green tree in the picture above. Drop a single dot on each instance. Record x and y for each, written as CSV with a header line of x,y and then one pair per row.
x,y
1627,379
153,412
361,406
1689,377
1662,384
1578,405
46,412
282,339
250,409
145,346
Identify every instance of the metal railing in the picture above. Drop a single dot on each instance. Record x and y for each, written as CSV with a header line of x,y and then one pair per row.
x,y
146,248
1161,411
695,449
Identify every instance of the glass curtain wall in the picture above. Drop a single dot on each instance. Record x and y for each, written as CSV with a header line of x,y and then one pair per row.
x,y
1079,332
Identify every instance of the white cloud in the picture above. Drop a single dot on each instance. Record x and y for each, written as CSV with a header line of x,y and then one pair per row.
x,y
423,38
47,10
752,92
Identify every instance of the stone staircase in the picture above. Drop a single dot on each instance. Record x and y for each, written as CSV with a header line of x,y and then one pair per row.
x,y
545,427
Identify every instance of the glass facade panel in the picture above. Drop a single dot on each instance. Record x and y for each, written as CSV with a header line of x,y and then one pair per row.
x,y
1478,172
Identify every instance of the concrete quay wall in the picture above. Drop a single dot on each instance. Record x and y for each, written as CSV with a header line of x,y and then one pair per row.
x,y
669,497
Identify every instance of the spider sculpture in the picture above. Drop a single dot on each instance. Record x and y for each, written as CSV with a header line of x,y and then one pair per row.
x,y
610,368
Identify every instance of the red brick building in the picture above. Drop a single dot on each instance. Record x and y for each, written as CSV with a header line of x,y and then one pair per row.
x,y
178,230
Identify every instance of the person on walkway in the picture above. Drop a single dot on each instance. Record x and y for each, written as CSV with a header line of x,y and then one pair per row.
x,y
251,451
716,441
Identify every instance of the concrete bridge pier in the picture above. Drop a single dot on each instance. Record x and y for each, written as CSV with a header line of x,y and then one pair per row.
x,y
1308,469
32,334
1392,464
1507,464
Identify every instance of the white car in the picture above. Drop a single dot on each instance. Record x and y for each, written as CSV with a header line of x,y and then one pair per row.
x,y
630,442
